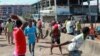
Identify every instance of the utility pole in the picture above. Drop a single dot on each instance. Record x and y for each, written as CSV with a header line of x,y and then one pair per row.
x,y
55,3
97,8
89,14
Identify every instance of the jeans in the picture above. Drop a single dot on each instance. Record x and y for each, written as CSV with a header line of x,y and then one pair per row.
x,y
31,48
75,53
92,37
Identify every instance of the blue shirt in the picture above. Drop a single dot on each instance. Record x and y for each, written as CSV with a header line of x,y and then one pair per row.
x,y
31,33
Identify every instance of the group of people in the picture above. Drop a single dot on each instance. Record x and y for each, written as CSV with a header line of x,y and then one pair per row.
x,y
17,32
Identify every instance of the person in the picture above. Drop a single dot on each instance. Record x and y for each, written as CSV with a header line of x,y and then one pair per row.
x,y
69,27
78,27
9,30
76,42
39,26
92,33
0,28
55,35
19,39
30,31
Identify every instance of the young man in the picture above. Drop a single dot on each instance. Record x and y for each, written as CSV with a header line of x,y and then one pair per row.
x,y
30,31
92,32
78,27
55,35
69,27
39,26
76,42
9,28
19,39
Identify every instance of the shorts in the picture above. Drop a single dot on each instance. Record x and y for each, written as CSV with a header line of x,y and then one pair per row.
x,y
56,39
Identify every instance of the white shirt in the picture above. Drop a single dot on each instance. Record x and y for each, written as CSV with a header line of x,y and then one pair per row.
x,y
76,42
69,27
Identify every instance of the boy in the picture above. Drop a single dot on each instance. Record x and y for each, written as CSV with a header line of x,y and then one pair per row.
x,y
76,42
30,31
19,39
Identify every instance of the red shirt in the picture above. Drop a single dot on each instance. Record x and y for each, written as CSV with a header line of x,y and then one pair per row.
x,y
92,31
56,30
20,41
39,24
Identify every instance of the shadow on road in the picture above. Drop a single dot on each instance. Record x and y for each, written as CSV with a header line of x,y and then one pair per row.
x,y
3,45
43,46
66,54
46,42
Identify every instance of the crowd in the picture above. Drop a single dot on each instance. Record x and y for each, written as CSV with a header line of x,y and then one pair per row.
x,y
16,32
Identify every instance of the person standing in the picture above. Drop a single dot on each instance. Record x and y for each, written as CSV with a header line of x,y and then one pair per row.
x,y
69,27
39,26
78,27
30,32
19,39
92,32
9,29
55,35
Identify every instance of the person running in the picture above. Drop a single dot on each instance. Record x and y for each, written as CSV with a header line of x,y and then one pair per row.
x,y
19,39
76,42
9,29
55,35
30,31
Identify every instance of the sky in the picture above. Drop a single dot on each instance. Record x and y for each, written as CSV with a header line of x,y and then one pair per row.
x,y
94,2
17,2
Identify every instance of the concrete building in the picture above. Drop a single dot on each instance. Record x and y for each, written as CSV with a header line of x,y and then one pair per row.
x,y
7,10
36,10
61,9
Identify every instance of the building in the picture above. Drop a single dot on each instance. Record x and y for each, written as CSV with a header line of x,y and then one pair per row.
x,y
36,10
61,9
7,10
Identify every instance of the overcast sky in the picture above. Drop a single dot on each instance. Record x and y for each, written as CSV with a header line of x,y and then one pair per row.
x,y
17,2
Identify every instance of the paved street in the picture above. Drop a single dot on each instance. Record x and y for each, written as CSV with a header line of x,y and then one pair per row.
x,y
41,49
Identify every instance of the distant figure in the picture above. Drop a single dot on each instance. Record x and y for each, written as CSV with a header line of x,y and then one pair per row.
x,y
19,39
76,42
69,27
78,27
92,32
30,32
0,28
9,29
39,26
